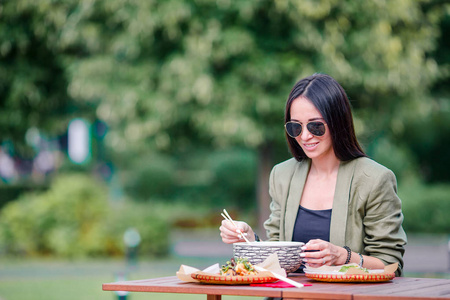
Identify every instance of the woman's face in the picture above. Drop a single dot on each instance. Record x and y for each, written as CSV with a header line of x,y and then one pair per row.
x,y
303,111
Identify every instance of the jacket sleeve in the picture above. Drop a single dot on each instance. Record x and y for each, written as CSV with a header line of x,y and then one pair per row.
x,y
384,235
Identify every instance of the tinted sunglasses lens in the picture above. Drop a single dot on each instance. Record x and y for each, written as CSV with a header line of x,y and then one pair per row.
x,y
293,129
316,128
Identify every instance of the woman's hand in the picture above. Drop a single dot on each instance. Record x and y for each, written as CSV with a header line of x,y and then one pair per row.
x,y
231,235
324,253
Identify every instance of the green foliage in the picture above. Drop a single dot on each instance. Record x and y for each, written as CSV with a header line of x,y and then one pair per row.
x,y
169,76
165,73
33,80
425,207
149,219
10,192
234,179
151,176
216,179
65,220
395,157
74,218
222,71
428,138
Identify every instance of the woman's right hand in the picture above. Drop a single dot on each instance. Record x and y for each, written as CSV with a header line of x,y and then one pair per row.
x,y
231,235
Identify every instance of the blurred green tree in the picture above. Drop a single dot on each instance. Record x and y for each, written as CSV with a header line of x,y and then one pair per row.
x,y
33,81
175,74
428,134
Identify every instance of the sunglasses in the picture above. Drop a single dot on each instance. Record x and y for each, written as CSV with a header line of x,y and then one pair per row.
x,y
294,129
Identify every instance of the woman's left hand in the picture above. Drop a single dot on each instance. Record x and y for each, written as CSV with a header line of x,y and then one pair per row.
x,y
324,253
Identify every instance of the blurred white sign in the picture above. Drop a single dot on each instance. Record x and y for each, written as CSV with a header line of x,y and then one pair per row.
x,y
79,141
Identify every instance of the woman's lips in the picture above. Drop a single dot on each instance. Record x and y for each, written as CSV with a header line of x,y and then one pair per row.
x,y
310,146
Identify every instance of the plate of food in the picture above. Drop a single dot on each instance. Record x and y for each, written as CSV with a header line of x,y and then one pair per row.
x,y
351,273
236,271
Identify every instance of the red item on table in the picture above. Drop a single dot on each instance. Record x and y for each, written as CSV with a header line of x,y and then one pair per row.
x,y
278,284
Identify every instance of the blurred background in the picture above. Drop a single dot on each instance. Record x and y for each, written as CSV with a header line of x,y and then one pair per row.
x,y
127,126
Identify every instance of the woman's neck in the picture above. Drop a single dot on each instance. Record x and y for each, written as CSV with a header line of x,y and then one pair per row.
x,y
325,166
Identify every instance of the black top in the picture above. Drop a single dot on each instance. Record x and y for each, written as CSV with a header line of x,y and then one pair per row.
x,y
311,224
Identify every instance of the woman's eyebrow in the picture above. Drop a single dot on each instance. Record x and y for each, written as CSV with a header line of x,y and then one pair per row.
x,y
309,120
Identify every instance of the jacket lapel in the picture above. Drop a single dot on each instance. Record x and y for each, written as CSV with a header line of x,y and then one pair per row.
x,y
340,203
295,193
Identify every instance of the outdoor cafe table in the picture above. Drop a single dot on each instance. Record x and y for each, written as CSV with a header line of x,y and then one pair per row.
x,y
398,288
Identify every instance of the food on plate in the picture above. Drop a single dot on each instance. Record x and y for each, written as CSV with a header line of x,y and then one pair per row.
x,y
346,268
238,266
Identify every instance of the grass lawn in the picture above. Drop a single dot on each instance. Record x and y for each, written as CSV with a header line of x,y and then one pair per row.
x,y
74,280
71,289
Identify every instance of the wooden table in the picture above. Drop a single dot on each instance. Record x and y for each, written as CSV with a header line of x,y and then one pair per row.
x,y
398,288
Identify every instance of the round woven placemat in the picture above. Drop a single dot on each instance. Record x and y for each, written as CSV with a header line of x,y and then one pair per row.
x,y
351,278
221,279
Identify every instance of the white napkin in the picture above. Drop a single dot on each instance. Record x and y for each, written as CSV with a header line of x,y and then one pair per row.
x,y
271,264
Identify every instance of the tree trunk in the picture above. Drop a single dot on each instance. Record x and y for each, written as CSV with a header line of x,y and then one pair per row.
x,y
262,191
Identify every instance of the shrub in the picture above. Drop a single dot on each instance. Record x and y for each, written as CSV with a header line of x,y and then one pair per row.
x,y
235,178
74,218
151,176
64,220
397,158
150,221
425,207
12,191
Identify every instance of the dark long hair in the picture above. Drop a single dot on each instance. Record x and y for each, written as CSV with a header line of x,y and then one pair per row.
x,y
330,99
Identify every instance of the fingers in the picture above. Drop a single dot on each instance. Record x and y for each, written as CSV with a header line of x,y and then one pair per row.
x,y
316,248
228,225
317,253
237,227
227,233
316,262
230,234
242,226
315,245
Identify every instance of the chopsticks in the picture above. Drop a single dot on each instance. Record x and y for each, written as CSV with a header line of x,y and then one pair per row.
x,y
227,217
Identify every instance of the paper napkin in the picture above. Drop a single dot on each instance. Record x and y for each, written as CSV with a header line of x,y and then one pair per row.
x,y
271,264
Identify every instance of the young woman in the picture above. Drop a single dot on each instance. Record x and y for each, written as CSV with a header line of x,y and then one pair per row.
x,y
343,205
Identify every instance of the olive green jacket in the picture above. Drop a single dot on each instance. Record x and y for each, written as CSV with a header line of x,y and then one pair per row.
x,y
366,214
